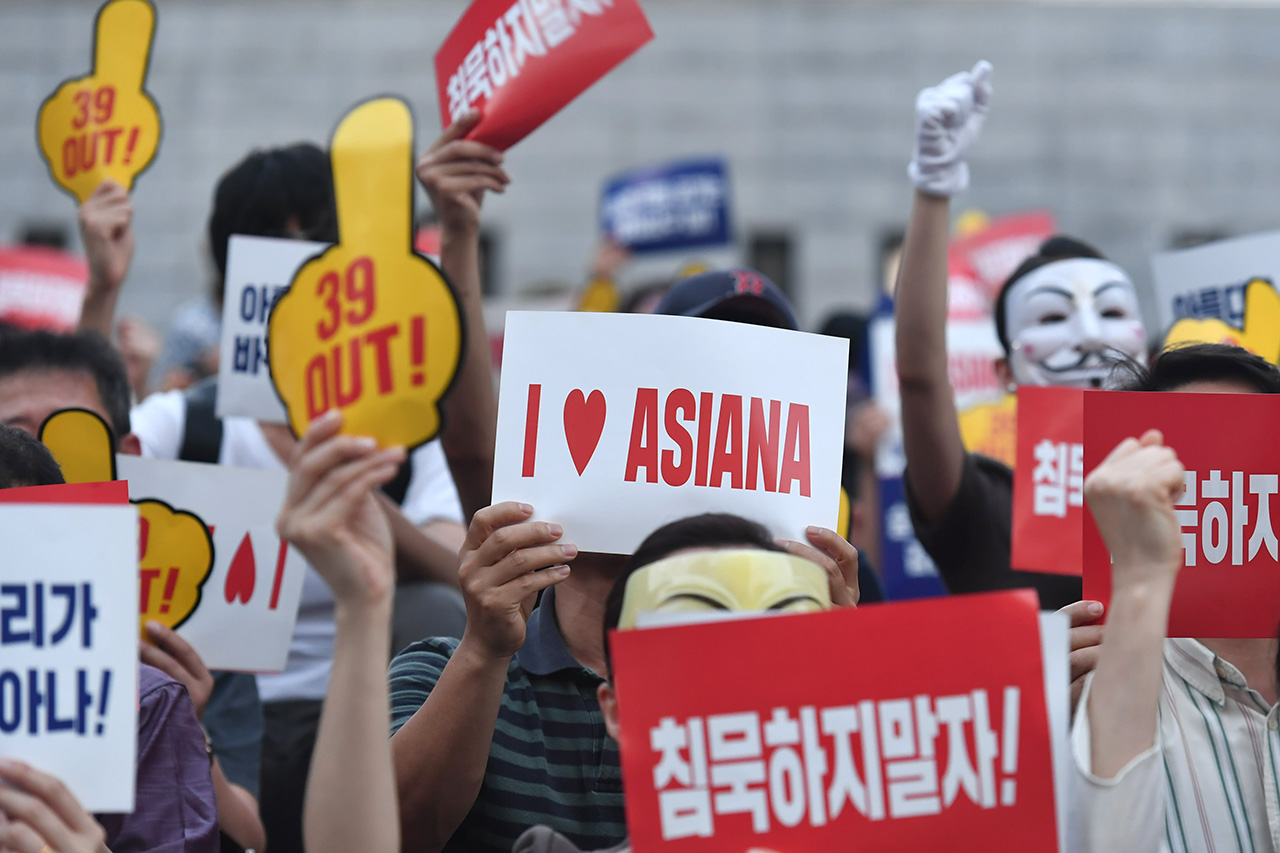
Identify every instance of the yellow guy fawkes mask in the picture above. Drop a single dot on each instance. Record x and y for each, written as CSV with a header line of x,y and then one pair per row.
x,y
736,579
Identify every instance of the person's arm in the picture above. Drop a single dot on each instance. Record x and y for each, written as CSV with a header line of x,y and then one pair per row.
x,y
1131,496
948,119
37,812
106,228
417,554
331,515
237,807
456,173
442,750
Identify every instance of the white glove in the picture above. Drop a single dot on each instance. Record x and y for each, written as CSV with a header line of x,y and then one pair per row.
x,y
949,118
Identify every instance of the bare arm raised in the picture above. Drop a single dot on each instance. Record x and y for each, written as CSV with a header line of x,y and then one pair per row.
x,y
949,117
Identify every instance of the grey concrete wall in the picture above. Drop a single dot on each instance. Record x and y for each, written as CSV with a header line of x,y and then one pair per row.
x,y
1129,122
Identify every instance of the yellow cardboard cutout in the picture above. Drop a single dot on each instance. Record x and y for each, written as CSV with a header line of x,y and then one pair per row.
x,y
175,559
1261,332
844,518
992,429
368,326
105,125
82,443
175,548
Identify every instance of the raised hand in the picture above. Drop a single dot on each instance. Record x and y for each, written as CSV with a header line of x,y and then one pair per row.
x,y
455,173
837,558
332,516
106,226
949,118
505,561
1131,495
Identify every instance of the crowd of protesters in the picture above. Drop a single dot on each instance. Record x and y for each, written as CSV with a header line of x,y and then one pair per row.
x,y
428,704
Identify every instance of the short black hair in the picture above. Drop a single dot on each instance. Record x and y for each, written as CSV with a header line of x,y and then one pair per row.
x,y
1059,247
261,193
1181,365
81,352
24,461
709,530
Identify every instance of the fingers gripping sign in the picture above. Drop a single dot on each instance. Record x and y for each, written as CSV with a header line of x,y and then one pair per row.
x,y
368,327
105,125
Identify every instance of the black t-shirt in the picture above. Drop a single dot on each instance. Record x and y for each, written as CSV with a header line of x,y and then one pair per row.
x,y
970,542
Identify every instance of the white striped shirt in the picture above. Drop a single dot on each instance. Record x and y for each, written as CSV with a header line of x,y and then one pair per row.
x,y
1208,784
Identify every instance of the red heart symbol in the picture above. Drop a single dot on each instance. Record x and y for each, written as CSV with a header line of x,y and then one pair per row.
x,y
240,577
583,423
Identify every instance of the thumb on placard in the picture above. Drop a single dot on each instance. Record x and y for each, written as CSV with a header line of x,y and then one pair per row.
x,y
372,155
122,44
82,444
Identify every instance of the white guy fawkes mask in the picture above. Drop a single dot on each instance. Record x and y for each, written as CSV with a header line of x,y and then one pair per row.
x,y
1069,321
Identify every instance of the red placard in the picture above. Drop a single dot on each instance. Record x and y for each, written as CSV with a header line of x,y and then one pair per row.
x,y
756,740
994,252
1230,585
521,61
110,492
1048,481
41,288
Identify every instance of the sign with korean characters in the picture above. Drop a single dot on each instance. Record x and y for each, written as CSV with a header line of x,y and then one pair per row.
x,y
240,614
521,61
368,327
105,125
259,270
1230,582
938,740
41,288
615,424
69,646
1048,481
1222,292
677,205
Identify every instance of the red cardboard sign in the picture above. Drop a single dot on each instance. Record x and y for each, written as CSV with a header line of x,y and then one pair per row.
x,y
521,61
994,252
762,740
1048,481
1230,585
110,492
41,288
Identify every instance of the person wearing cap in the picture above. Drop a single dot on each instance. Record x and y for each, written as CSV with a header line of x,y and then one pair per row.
x,y
706,563
1064,317
743,295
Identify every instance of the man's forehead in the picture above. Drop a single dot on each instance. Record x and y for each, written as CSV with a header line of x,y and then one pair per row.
x,y
50,388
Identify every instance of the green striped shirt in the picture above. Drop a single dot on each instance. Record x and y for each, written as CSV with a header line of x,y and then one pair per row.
x,y
551,761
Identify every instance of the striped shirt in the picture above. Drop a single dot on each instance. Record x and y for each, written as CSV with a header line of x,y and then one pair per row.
x,y
1208,784
551,761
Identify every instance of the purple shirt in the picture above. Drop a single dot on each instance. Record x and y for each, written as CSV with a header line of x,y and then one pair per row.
x,y
175,809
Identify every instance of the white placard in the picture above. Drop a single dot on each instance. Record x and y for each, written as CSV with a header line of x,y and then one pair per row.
x,y
1208,281
259,271
245,618
69,646
615,424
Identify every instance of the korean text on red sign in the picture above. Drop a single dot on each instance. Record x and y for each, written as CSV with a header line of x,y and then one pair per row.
x,y
1231,576
1048,481
521,61
937,740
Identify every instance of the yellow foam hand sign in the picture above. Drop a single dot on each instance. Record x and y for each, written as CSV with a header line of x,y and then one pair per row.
x,y
175,559
1261,332
368,326
104,125
992,429
82,444
175,547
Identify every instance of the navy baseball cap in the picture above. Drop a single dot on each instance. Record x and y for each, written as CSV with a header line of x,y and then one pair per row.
x,y
741,295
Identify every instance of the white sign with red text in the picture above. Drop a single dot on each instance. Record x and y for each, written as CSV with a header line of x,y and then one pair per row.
x,y
615,424
249,601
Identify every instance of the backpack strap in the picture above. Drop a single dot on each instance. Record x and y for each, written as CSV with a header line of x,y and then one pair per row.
x,y
202,431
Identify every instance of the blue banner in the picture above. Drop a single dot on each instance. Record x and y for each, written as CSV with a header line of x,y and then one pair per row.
x,y
672,206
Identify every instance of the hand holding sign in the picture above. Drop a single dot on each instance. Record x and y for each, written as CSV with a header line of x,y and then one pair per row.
x,y
105,125
44,811
455,173
368,327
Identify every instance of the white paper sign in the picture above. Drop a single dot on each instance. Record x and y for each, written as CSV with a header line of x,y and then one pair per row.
x,y
1208,282
259,271
69,647
249,602
615,424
